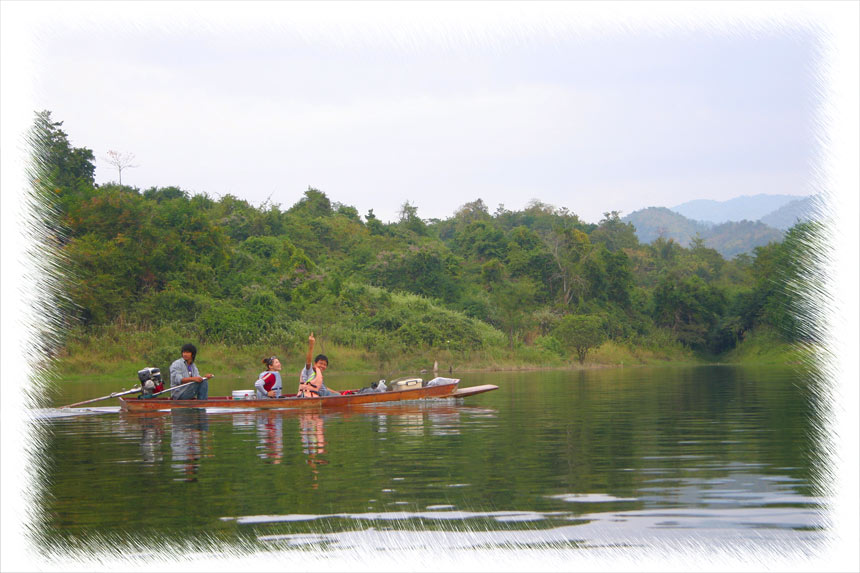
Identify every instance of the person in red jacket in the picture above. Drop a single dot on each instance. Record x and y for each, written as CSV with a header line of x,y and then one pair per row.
x,y
268,384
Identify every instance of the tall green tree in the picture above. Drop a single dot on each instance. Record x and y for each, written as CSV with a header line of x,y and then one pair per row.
x,y
64,168
689,307
429,270
313,204
514,300
410,220
785,276
580,334
614,233
528,257
481,241
619,278
570,249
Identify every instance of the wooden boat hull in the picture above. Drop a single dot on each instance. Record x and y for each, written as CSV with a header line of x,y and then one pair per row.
x,y
291,402
471,391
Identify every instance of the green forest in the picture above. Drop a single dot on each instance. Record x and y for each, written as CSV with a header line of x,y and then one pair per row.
x,y
142,271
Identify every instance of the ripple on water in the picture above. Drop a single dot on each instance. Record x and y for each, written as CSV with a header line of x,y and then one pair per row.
x,y
795,530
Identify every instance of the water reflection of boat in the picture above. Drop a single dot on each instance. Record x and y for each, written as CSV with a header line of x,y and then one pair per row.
x,y
409,408
152,432
151,427
440,417
270,431
189,428
436,388
312,429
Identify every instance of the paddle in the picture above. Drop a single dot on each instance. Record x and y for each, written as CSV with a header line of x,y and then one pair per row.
x,y
118,394
181,386
114,395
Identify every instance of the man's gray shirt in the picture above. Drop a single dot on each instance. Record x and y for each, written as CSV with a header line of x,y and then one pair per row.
x,y
179,370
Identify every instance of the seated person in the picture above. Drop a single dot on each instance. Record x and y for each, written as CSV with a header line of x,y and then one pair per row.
x,y
184,370
311,383
269,385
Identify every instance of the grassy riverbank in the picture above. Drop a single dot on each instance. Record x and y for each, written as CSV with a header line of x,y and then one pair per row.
x,y
119,353
765,347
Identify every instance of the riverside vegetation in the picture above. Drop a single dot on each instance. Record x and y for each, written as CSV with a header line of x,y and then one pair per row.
x,y
141,272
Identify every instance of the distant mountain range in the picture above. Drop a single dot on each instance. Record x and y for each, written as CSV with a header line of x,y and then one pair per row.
x,y
789,214
746,207
731,227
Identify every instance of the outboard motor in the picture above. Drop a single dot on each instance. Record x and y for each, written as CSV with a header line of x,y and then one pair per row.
x,y
150,381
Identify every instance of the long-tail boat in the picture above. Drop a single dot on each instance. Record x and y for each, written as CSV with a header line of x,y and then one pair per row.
x,y
436,388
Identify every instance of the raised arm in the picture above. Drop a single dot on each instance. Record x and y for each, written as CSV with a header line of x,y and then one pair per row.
x,y
310,356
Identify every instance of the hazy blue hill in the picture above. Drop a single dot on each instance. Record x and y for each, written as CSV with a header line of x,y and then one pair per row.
x,y
789,214
729,239
736,237
654,222
746,207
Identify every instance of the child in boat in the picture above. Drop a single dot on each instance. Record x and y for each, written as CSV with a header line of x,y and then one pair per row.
x,y
269,385
311,383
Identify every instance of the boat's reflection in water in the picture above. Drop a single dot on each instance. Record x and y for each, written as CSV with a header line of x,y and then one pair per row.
x,y
188,437
418,419
269,426
312,429
151,437
270,435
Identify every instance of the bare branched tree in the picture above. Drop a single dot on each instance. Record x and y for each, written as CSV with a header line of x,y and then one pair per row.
x,y
120,161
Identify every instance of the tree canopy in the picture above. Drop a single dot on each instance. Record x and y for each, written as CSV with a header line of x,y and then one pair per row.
x,y
236,272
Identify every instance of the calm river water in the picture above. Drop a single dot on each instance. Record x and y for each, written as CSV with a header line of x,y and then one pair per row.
x,y
632,457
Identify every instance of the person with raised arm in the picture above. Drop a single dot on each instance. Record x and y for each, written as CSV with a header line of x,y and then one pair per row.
x,y
311,384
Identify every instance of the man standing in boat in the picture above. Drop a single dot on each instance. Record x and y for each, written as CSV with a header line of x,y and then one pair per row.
x,y
311,383
183,370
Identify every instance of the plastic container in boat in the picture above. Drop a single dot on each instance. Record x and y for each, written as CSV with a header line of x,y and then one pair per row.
x,y
405,383
244,394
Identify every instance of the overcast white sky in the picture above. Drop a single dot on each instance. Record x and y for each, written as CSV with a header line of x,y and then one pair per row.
x,y
593,107
378,105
